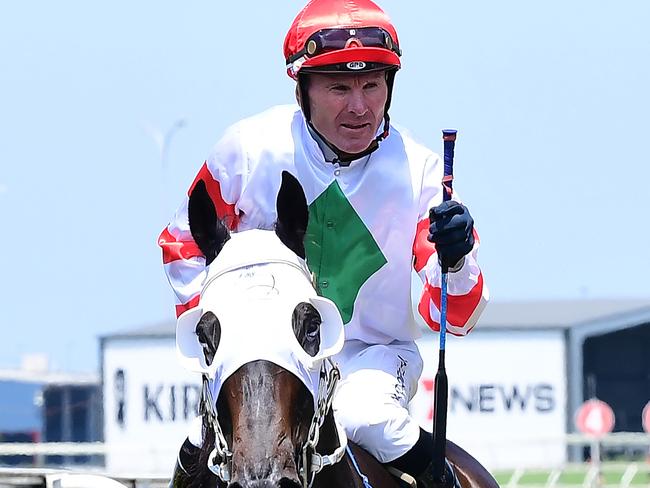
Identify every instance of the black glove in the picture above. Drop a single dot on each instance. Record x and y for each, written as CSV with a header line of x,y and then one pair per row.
x,y
451,229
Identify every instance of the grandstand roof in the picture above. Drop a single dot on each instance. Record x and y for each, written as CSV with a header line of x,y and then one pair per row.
x,y
48,377
562,314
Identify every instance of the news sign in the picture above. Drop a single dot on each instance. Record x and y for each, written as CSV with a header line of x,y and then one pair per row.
x,y
507,395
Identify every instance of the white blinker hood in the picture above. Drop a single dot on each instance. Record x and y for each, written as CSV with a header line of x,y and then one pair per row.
x,y
253,287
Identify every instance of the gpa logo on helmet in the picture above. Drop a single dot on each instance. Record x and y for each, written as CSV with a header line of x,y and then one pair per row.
x,y
356,65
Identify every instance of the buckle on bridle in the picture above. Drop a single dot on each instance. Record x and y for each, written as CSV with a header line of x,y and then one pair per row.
x,y
220,457
312,461
222,469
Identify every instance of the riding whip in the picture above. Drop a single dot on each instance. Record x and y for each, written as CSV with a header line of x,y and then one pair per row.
x,y
441,388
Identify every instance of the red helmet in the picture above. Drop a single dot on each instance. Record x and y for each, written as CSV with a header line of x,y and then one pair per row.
x,y
341,35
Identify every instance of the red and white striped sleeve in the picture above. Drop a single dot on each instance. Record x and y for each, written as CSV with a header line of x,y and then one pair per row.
x,y
223,173
467,295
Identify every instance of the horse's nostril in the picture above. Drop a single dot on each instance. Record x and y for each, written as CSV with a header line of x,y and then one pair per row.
x,y
289,483
262,484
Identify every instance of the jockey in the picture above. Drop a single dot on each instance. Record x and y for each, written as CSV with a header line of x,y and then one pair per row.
x,y
376,214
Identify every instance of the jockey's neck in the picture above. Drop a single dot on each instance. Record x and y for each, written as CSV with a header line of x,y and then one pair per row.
x,y
328,153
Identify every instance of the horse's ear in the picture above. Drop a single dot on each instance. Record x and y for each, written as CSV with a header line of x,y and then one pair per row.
x,y
208,231
293,214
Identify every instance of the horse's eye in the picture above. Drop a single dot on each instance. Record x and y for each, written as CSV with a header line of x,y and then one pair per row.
x,y
313,329
209,331
306,326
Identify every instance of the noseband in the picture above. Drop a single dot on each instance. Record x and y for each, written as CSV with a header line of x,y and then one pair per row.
x,y
311,462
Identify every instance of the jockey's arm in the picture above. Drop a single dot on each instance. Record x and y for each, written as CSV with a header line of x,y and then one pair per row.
x,y
467,294
183,261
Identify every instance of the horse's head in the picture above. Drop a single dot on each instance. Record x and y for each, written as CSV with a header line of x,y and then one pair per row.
x,y
261,334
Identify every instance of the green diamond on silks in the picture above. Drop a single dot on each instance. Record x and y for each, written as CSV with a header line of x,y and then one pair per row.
x,y
340,250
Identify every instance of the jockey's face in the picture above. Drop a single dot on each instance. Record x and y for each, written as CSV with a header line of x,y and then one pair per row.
x,y
347,109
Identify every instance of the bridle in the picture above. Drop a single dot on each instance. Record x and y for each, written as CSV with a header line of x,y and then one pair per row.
x,y
311,462
220,458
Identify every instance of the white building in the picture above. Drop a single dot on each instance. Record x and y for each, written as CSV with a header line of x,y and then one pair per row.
x,y
515,383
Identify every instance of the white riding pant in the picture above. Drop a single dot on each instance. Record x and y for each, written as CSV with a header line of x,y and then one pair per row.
x,y
371,402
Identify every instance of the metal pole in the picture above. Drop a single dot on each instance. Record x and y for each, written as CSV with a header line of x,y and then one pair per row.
x,y
166,141
163,141
66,419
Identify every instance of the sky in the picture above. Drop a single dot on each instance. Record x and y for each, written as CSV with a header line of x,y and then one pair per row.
x,y
550,99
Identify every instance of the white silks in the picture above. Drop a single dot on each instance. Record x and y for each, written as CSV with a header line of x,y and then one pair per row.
x,y
253,287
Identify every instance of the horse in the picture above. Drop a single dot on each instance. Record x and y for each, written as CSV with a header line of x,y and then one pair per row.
x,y
265,338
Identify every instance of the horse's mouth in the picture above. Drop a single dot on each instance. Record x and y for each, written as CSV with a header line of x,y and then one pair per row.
x,y
284,482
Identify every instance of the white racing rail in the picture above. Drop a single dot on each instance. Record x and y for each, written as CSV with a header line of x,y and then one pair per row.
x,y
57,478
99,448
632,474
53,449
609,475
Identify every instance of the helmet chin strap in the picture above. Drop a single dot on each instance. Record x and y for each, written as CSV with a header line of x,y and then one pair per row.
x,y
345,157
